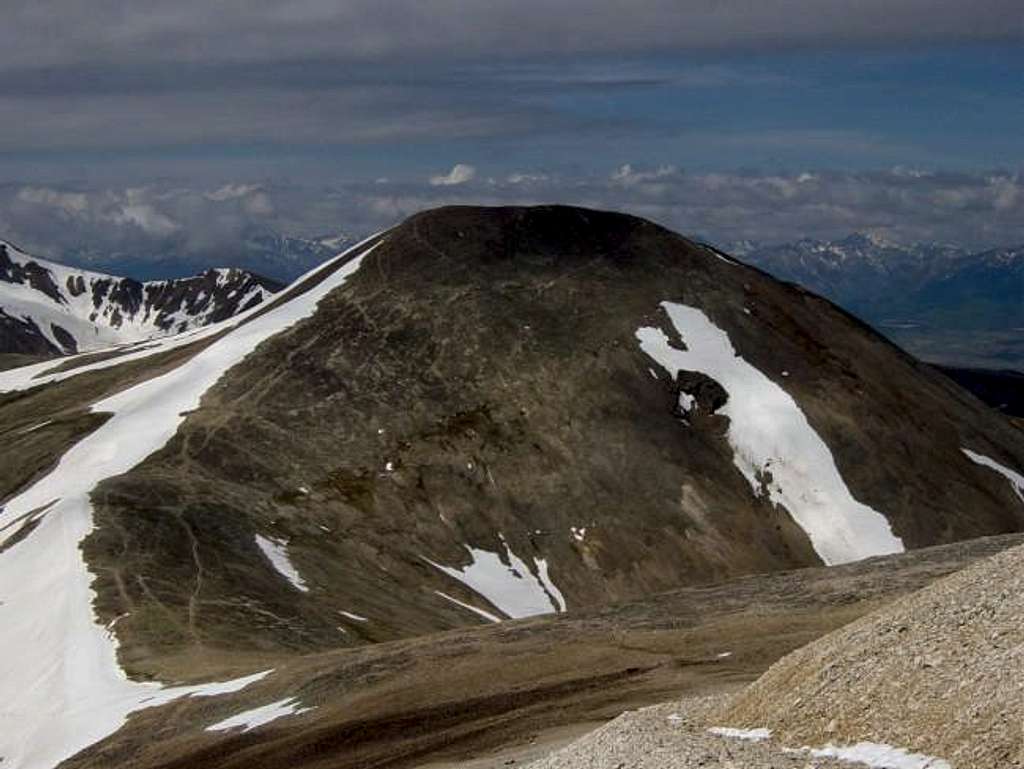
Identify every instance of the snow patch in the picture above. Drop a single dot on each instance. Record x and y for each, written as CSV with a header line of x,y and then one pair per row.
x,y
276,552
878,756
721,256
485,614
1016,479
686,402
753,735
512,587
549,587
250,719
774,445
352,616
32,429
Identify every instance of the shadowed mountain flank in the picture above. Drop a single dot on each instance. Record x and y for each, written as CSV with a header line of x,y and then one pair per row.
x,y
470,428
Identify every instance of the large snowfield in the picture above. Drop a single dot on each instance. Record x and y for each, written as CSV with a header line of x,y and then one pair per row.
x,y
60,683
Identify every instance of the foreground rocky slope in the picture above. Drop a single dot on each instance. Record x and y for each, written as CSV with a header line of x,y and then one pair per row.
x,y
48,309
931,681
482,414
941,672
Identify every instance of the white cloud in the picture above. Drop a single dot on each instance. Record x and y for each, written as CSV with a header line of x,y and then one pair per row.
x,y
146,218
460,174
71,203
628,176
232,191
524,178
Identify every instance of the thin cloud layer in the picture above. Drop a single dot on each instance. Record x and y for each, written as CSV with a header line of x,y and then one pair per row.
x,y
175,226
58,33
240,78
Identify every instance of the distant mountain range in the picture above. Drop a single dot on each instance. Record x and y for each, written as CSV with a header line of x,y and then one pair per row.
x,y
940,301
264,252
50,309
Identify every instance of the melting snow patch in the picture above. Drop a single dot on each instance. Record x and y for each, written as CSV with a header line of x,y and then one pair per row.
x,y
878,756
250,719
224,687
686,402
770,434
277,553
511,587
1016,479
549,587
753,735
578,534
485,614
723,257
36,427
352,616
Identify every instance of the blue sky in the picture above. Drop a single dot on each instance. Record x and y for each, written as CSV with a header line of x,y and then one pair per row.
x,y
122,121
936,106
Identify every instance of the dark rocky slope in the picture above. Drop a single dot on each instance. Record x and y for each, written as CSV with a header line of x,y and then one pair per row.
x,y
478,382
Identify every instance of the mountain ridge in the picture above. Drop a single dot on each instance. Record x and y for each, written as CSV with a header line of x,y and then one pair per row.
x,y
50,309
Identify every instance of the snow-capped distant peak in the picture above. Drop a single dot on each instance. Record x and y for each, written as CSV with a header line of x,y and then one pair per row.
x,y
48,308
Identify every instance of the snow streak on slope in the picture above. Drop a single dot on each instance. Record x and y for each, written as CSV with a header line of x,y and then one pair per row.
x,y
770,434
513,587
277,554
61,688
485,614
1016,479
250,719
